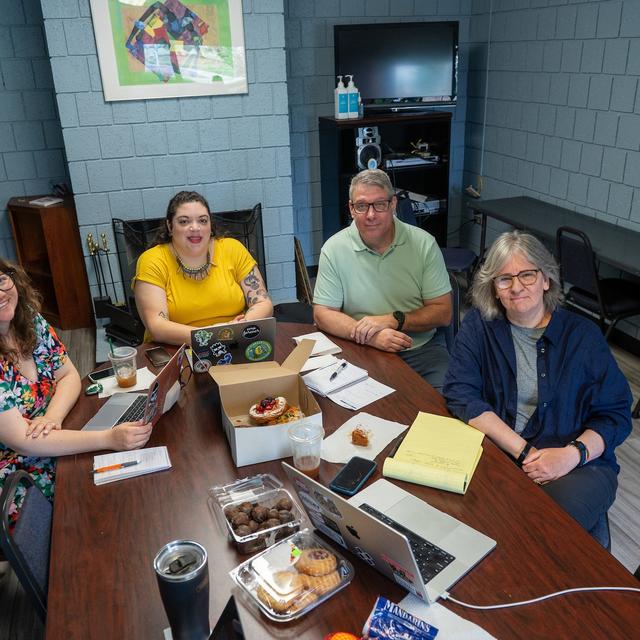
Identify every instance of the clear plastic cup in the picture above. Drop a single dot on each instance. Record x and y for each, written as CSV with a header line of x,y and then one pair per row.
x,y
123,361
306,446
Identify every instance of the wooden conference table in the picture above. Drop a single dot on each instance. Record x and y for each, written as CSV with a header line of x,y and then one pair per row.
x,y
102,583
612,244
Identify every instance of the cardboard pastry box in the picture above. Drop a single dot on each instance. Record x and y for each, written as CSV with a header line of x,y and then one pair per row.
x,y
242,385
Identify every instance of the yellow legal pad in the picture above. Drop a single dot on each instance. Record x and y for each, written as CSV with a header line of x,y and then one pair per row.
x,y
437,452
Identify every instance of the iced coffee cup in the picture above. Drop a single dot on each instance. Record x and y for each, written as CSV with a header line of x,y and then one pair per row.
x,y
123,361
306,447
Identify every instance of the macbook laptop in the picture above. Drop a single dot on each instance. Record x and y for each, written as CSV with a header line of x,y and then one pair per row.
x,y
233,343
128,407
421,548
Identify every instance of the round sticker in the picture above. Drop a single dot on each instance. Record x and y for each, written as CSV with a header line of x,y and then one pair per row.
x,y
201,365
258,350
251,331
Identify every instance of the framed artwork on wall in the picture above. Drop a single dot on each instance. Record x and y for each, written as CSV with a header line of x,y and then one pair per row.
x,y
169,48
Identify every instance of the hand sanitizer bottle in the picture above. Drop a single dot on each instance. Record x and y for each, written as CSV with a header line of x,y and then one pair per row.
x,y
353,95
342,102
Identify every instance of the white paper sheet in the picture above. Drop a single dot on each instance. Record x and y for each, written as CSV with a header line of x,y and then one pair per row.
x,y
150,460
344,375
450,625
338,448
323,345
319,362
110,386
360,394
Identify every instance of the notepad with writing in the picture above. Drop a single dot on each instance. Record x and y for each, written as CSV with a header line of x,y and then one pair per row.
x,y
343,376
149,460
437,452
323,345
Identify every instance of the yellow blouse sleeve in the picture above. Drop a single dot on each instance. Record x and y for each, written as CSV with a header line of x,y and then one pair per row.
x,y
152,267
242,260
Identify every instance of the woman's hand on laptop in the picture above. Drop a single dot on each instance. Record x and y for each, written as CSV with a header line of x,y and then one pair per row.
x,y
130,435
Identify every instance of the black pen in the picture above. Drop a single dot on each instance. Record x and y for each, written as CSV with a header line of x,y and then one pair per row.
x,y
398,443
334,375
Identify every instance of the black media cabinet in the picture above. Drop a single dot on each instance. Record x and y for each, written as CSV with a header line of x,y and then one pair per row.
x,y
338,163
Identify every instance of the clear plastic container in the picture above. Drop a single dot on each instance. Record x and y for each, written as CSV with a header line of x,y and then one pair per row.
x,y
256,512
294,576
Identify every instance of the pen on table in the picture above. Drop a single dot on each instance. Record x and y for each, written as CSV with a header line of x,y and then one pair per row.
x,y
398,443
120,465
334,375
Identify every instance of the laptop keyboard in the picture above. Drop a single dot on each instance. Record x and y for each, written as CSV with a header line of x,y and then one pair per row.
x,y
135,411
431,560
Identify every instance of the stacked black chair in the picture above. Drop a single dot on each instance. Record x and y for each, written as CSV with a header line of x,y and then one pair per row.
x,y
27,546
610,299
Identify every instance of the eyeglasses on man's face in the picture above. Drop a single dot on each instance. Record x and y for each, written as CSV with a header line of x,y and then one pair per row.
x,y
526,277
379,206
6,281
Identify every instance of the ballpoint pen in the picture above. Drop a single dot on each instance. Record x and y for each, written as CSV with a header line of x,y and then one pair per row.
x,y
334,375
120,465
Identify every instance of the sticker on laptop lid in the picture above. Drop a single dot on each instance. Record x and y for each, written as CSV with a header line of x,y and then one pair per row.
x,y
251,331
258,350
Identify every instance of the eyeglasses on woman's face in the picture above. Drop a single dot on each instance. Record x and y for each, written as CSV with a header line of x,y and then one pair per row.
x,y
6,281
527,278
379,206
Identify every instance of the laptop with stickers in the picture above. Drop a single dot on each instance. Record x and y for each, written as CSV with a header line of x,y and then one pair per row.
x,y
421,548
233,343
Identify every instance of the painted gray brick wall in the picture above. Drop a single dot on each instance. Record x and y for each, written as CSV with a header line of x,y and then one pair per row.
x,y
563,113
31,147
310,63
126,159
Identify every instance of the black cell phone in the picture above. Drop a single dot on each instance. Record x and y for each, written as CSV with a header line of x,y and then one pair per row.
x,y
96,376
352,476
158,356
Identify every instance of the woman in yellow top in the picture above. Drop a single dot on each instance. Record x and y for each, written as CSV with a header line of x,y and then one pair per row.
x,y
194,278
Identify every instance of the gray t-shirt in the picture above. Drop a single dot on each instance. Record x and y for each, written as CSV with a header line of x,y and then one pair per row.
x,y
524,344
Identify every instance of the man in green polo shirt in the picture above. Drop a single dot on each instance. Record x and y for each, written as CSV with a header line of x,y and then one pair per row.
x,y
383,283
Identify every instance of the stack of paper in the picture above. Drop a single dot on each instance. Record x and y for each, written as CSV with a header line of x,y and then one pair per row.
x,y
437,452
147,461
335,377
323,345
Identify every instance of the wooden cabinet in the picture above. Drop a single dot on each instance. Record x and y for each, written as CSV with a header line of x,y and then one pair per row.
x,y
48,248
397,132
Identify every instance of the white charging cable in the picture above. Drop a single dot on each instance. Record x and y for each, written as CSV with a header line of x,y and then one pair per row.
x,y
447,596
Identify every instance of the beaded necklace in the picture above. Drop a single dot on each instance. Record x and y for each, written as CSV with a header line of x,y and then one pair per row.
x,y
195,273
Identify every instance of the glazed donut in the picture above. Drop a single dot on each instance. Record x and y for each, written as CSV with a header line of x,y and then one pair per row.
x,y
267,409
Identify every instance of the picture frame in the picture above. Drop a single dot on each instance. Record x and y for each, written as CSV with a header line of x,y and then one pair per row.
x,y
150,49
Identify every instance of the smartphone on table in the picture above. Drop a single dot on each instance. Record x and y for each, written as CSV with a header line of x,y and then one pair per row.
x,y
96,376
352,476
158,356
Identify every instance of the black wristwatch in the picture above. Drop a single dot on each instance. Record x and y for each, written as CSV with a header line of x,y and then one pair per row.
x,y
399,316
584,452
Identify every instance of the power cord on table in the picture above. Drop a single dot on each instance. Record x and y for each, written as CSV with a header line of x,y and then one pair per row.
x,y
447,596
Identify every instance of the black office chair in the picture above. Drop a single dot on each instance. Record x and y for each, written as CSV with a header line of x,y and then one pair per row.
x,y
26,547
611,299
293,312
460,260
451,329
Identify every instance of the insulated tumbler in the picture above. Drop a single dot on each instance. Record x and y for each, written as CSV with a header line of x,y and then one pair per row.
x,y
183,579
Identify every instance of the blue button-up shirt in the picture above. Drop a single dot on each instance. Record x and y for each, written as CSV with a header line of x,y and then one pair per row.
x,y
579,383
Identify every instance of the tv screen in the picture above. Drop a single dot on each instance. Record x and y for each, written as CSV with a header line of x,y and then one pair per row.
x,y
399,65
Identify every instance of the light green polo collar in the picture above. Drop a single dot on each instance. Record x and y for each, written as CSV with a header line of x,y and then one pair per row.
x,y
399,238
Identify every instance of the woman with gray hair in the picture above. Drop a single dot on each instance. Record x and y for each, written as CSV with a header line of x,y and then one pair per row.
x,y
540,381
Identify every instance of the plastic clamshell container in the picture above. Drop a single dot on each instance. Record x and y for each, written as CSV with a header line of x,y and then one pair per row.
x,y
243,496
294,576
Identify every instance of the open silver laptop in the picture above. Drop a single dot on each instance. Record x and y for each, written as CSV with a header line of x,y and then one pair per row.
x,y
128,407
233,343
421,548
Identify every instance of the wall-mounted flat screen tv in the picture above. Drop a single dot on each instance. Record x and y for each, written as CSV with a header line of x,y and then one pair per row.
x,y
397,66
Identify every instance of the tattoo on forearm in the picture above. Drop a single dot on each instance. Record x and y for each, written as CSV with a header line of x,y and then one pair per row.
x,y
162,314
257,291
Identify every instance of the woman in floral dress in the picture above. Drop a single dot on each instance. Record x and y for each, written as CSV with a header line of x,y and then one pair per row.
x,y
38,387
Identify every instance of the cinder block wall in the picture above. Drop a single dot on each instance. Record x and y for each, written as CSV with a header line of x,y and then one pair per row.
x,y
126,159
311,82
563,112
31,146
